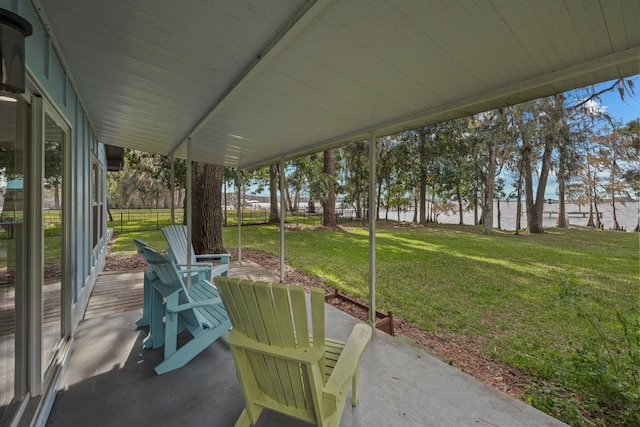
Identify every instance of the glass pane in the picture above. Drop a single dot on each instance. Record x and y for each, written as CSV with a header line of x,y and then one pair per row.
x,y
11,178
52,194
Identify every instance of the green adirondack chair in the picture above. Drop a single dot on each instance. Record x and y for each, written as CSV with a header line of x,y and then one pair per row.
x,y
176,236
197,309
279,364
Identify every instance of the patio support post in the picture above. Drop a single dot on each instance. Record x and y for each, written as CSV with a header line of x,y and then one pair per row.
x,y
282,212
372,229
188,212
172,186
239,213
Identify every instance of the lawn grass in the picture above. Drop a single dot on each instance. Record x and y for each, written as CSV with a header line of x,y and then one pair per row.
x,y
562,306
124,246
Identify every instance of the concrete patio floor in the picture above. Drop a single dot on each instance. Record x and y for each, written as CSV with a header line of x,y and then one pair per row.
x,y
110,381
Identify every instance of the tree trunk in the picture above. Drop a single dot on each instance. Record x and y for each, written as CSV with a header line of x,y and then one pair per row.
x,y
590,195
287,196
499,214
475,208
225,202
616,226
519,201
528,189
329,203
206,213
542,183
595,207
489,183
378,198
590,222
56,196
296,200
415,210
274,214
423,202
422,179
460,209
562,215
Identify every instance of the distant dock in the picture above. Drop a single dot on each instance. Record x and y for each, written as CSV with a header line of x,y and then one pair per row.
x,y
573,214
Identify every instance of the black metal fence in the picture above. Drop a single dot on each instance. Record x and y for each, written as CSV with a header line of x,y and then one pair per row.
x,y
154,219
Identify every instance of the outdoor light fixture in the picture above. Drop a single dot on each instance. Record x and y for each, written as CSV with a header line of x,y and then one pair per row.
x,y
7,97
13,30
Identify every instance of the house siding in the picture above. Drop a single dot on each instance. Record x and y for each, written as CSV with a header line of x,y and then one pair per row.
x,y
52,83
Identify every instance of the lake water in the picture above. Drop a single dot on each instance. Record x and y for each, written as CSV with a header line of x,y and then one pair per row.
x,y
626,214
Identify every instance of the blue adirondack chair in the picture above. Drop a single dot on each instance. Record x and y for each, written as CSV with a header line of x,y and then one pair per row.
x,y
149,275
147,300
197,309
176,236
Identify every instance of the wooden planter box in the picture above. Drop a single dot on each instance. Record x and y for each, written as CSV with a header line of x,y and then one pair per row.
x,y
384,321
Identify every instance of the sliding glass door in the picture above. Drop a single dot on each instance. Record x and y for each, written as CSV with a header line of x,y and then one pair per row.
x,y
14,125
55,293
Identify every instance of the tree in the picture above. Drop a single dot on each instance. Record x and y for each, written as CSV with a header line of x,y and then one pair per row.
x,y
421,138
163,173
536,123
53,168
356,175
631,176
616,150
452,165
329,201
206,213
274,214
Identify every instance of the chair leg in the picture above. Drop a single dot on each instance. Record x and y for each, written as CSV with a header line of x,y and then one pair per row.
x,y
354,387
146,304
155,339
243,421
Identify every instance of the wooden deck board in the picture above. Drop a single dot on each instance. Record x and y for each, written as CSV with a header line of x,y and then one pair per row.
x,y
120,291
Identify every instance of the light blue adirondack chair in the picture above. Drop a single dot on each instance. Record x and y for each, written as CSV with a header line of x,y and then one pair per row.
x,y
176,236
149,275
147,300
197,309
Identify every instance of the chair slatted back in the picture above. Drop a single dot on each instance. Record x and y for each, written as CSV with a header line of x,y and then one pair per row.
x,y
176,235
275,315
169,277
140,245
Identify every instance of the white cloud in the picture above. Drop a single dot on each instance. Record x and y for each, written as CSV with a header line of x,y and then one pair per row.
x,y
594,108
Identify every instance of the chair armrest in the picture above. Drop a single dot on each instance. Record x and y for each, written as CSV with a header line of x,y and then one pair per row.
x,y
224,258
192,269
349,358
203,303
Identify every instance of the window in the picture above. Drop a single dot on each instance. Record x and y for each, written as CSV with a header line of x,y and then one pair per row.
x,y
97,176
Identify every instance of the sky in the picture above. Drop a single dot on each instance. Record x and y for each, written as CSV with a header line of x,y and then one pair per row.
x,y
626,110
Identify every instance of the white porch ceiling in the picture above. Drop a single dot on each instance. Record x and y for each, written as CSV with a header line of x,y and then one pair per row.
x,y
252,81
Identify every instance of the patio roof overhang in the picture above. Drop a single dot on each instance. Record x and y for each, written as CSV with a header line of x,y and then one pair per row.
x,y
252,82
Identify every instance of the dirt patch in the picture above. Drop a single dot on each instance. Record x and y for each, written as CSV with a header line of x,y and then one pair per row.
x,y
459,352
